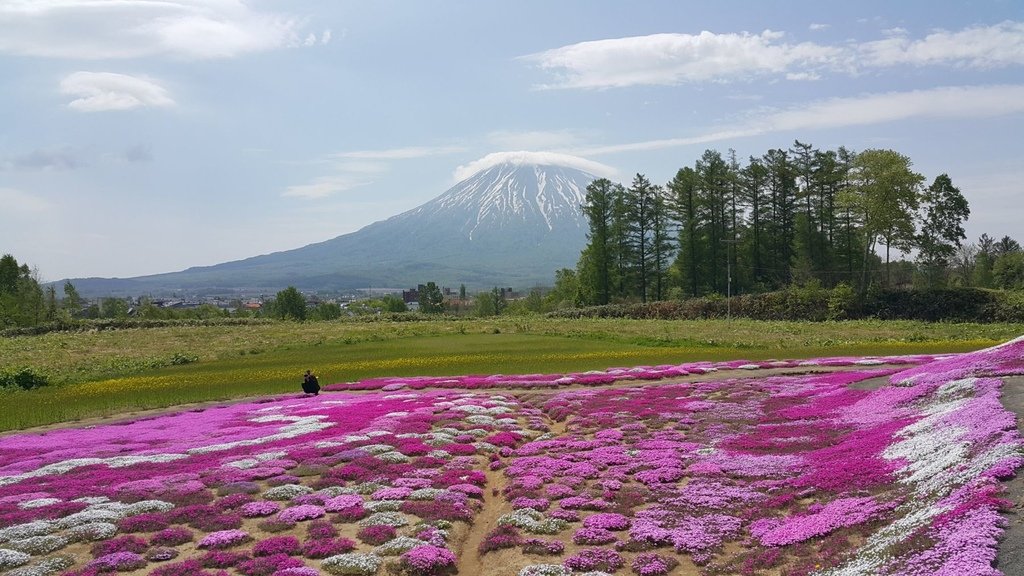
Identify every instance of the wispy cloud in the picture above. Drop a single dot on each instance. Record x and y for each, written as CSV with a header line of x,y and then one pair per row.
x,y
356,168
325,186
937,103
670,59
979,46
523,157
814,26
102,91
101,29
676,58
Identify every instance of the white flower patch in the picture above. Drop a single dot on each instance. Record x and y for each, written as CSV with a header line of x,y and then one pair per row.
x,y
956,387
355,438
332,491
267,409
426,494
383,505
749,367
328,444
275,455
92,499
146,506
92,532
89,516
299,427
13,558
471,409
439,453
405,396
45,567
394,457
397,546
375,433
352,564
376,449
39,545
395,519
287,492
334,402
35,528
545,570
507,421
38,503
406,435
399,414
244,464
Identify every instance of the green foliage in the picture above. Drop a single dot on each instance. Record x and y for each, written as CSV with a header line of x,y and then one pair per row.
x,y
1008,271
431,299
325,311
23,378
289,304
813,303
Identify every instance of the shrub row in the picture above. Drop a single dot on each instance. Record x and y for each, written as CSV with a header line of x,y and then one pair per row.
x,y
84,325
819,304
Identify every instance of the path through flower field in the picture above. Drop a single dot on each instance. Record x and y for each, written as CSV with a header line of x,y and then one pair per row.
x,y
837,466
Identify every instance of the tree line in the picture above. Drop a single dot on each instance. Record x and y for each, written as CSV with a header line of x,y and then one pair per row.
x,y
794,216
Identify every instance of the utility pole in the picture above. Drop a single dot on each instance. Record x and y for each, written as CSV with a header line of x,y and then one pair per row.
x,y
728,277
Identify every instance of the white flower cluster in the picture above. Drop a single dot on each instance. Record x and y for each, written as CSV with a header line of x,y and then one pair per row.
x,y
38,503
397,546
38,545
92,532
45,567
545,570
383,505
13,558
287,492
36,528
426,494
394,457
352,564
376,449
532,521
332,491
439,454
395,519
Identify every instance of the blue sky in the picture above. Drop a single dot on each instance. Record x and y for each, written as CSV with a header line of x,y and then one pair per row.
x,y
145,137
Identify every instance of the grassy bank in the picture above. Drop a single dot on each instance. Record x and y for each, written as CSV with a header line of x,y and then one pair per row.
x,y
112,372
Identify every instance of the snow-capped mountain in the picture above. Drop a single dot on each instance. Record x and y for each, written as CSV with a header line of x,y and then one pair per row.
x,y
510,224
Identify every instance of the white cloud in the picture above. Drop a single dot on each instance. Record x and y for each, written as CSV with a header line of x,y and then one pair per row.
x,y
326,36
669,59
18,201
523,157
980,46
100,29
937,103
102,91
818,26
324,187
676,58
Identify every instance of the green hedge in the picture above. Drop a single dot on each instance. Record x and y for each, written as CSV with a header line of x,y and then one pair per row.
x,y
819,304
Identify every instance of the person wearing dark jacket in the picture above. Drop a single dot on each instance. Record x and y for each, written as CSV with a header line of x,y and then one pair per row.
x,y
310,385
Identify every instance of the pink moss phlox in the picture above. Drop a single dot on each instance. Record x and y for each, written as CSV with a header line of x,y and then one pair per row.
x,y
836,514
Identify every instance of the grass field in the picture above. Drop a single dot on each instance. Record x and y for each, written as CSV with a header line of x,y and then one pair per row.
x,y
111,372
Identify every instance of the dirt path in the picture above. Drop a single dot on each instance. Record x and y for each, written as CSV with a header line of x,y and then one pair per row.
x,y
1010,559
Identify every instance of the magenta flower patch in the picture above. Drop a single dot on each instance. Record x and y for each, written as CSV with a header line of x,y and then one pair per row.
x,y
613,471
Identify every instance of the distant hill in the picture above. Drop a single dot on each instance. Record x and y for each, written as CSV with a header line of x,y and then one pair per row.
x,y
512,224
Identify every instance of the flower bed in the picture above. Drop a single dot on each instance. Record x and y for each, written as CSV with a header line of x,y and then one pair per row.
x,y
785,474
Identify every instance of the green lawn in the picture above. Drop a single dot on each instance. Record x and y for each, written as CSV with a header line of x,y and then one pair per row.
x,y
106,373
